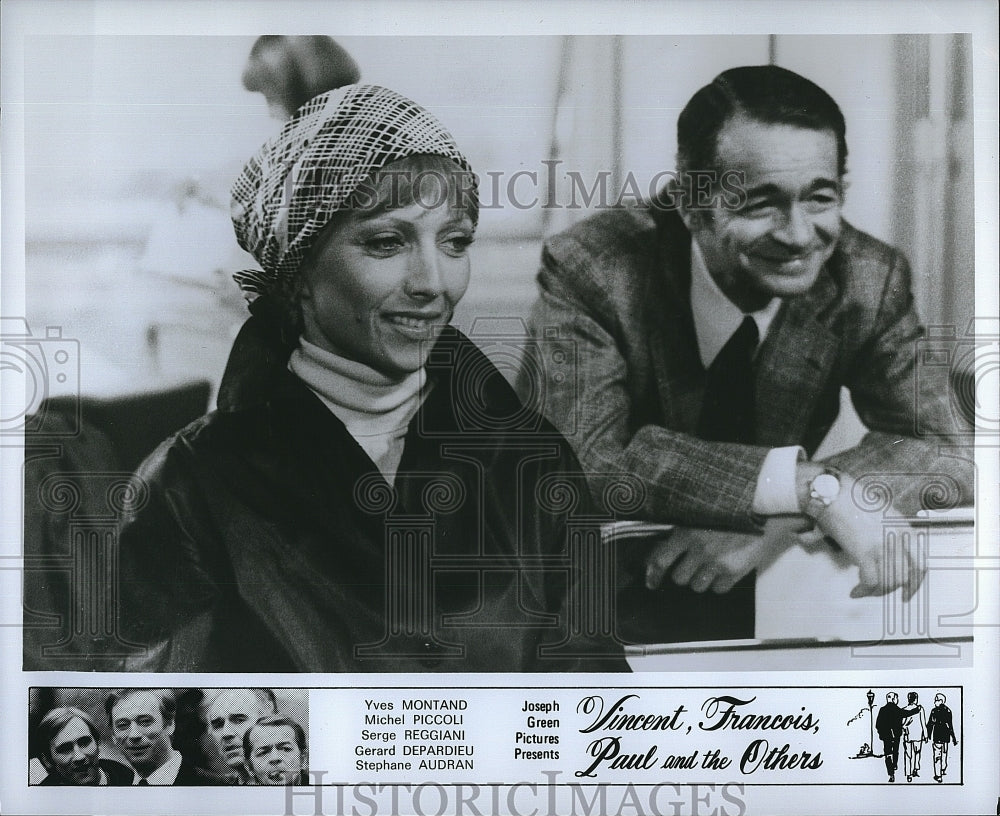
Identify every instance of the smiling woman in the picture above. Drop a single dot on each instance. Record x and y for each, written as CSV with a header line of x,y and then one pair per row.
x,y
383,279
365,498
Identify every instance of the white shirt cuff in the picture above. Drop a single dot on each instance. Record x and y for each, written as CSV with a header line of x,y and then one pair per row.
x,y
776,494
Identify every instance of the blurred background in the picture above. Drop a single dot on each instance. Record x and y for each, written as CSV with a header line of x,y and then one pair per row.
x,y
132,142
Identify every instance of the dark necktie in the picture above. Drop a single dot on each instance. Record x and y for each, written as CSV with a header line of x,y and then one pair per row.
x,y
729,407
143,781
678,613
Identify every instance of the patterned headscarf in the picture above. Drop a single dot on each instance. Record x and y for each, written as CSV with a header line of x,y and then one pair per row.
x,y
295,183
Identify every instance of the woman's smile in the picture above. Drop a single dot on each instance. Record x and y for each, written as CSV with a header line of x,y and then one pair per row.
x,y
418,326
383,282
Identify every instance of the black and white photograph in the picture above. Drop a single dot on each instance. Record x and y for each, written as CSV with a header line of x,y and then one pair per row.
x,y
162,736
347,350
365,473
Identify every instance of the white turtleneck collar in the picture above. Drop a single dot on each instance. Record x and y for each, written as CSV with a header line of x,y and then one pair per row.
x,y
375,409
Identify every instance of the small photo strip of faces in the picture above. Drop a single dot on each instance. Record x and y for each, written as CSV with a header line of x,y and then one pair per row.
x,y
168,736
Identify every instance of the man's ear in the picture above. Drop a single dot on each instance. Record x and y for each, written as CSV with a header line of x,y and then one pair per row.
x,y
46,762
673,196
693,219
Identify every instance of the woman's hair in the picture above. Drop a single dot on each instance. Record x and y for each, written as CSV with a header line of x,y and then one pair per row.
x,y
293,70
405,182
427,180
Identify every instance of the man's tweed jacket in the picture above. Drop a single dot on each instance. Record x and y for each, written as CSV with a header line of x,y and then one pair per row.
x,y
621,375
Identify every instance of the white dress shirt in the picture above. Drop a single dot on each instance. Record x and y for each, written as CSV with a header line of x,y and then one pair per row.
x,y
165,774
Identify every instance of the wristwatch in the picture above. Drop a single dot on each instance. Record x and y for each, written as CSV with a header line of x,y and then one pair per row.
x,y
823,490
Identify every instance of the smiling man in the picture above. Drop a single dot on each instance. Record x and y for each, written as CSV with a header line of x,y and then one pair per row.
x,y
142,725
712,331
70,751
229,715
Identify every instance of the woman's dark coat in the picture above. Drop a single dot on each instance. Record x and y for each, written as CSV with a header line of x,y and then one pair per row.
x,y
261,541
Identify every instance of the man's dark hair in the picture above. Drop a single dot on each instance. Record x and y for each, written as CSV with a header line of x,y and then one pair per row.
x,y
300,734
763,93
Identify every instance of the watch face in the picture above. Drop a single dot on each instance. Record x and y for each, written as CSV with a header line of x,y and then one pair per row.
x,y
826,486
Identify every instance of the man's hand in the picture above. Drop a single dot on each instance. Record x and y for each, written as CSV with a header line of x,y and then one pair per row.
x,y
885,563
717,559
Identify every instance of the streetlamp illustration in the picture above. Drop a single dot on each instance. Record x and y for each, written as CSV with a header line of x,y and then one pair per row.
x,y
871,721
867,749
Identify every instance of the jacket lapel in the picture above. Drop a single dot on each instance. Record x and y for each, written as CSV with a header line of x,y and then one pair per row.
x,y
793,365
315,449
793,368
673,344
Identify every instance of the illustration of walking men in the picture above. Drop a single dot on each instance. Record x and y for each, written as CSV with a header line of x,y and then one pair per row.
x,y
889,725
914,737
940,733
